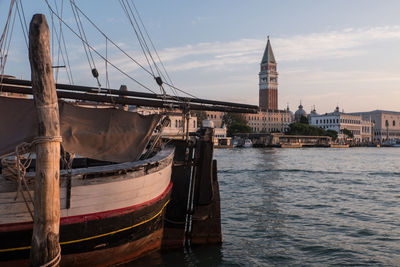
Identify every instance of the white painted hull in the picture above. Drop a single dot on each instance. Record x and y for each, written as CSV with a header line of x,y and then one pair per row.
x,y
94,195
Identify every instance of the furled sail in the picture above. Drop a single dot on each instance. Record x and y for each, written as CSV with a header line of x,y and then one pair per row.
x,y
99,133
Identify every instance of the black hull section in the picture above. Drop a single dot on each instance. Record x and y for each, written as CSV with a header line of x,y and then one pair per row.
x,y
94,234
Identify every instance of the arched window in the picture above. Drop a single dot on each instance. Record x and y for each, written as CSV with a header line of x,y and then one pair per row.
x,y
394,123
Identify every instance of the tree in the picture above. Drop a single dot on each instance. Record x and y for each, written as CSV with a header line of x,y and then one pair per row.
x,y
236,128
298,128
230,118
333,134
235,123
348,133
303,119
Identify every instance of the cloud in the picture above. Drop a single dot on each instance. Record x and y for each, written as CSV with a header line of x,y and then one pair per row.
x,y
236,55
326,45
335,44
228,70
320,77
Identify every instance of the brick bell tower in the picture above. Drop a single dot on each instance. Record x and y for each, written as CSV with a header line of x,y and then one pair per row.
x,y
268,76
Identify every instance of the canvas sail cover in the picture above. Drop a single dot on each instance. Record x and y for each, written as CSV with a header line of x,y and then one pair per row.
x,y
99,133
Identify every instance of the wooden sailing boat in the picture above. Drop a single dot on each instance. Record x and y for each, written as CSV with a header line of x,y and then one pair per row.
x,y
109,213
110,210
112,204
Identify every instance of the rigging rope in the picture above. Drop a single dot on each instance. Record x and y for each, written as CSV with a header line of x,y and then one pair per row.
x,y
143,38
137,35
154,48
23,26
143,44
111,41
58,41
83,37
66,62
5,41
120,49
95,51
107,80
62,48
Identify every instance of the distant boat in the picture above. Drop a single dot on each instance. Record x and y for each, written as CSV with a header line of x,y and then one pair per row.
x,y
373,145
247,143
291,145
339,145
391,143
235,143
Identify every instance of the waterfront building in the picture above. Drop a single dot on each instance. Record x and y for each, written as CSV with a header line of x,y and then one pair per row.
x,y
386,124
312,113
269,121
175,128
338,121
216,117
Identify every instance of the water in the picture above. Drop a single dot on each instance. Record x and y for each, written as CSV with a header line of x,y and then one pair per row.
x,y
303,207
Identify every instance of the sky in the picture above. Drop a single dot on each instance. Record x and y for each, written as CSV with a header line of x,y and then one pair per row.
x,y
329,52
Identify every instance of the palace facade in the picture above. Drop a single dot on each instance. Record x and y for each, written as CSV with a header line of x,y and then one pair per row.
x,y
386,124
339,121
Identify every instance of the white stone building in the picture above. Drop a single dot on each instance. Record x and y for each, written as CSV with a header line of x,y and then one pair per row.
x,y
386,124
338,121
175,128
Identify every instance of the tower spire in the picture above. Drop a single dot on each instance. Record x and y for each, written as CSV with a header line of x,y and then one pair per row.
x,y
268,54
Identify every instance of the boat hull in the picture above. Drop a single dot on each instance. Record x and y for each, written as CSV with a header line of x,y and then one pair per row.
x,y
292,145
339,145
114,237
112,218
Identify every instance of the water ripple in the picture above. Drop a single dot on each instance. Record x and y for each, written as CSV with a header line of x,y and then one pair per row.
x,y
304,207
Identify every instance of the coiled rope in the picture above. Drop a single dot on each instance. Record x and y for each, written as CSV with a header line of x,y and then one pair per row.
x,y
15,165
55,261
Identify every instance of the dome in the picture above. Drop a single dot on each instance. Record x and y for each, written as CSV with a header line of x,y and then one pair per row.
x,y
300,113
337,110
289,111
313,113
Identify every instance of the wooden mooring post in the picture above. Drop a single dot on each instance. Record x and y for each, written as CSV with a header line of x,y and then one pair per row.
x,y
45,249
206,219
193,216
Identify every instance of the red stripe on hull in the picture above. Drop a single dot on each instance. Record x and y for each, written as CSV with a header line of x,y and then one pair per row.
x,y
87,217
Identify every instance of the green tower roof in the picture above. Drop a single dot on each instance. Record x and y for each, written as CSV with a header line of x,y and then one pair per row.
x,y
268,54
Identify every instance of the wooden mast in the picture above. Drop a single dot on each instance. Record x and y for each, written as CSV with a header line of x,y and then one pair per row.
x,y
45,248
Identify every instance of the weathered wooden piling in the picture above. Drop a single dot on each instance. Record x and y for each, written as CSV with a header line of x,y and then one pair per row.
x,y
206,219
193,216
45,249
176,214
